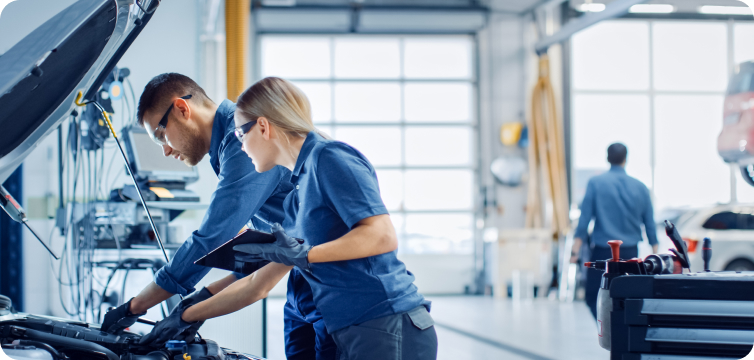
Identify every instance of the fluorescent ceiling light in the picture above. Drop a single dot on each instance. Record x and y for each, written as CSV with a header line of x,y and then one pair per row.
x,y
591,7
725,10
652,8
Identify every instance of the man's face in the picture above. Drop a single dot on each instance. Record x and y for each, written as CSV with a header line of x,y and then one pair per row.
x,y
182,135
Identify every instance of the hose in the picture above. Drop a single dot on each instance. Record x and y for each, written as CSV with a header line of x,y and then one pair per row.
x,y
546,155
40,345
65,342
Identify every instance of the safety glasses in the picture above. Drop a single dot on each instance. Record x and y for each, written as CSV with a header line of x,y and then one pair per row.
x,y
244,129
158,135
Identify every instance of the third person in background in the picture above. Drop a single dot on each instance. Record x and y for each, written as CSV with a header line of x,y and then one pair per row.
x,y
619,205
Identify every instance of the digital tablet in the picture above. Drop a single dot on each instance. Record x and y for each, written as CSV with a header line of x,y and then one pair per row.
x,y
224,257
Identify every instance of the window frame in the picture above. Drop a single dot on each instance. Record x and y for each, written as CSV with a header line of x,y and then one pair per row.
x,y
473,166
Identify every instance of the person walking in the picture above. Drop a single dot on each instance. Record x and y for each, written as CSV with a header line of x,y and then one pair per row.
x,y
619,205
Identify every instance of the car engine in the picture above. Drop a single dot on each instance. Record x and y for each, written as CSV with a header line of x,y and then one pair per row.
x,y
27,337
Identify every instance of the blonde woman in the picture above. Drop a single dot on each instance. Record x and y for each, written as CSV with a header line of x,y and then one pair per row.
x,y
348,255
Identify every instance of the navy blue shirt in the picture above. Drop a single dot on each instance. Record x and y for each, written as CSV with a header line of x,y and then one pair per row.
x,y
241,193
335,188
619,205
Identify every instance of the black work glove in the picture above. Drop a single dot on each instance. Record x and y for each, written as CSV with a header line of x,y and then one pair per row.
x,y
285,250
189,335
120,318
171,327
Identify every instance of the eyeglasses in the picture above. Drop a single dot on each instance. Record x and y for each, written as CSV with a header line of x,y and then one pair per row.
x,y
244,129
158,135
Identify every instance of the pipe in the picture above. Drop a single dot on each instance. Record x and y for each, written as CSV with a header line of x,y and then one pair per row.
x,y
613,10
237,13
64,342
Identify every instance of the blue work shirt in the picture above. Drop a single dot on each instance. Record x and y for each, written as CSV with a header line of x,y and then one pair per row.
x,y
241,193
619,205
335,188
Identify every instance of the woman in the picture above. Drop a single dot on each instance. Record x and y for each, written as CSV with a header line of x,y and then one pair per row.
x,y
366,296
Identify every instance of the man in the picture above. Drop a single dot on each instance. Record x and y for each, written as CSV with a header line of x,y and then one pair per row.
x,y
619,205
179,116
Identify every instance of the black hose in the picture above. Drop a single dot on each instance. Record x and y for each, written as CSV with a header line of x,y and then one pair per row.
x,y
40,345
155,355
65,342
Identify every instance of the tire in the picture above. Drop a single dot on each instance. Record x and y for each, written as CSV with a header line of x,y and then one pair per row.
x,y
747,172
740,265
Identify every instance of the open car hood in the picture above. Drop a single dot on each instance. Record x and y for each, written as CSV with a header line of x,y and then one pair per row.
x,y
40,76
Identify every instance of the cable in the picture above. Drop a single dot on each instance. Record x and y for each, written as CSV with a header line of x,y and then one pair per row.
x,y
133,178
132,120
147,12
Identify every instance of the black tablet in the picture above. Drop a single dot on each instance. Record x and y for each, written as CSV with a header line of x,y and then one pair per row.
x,y
224,256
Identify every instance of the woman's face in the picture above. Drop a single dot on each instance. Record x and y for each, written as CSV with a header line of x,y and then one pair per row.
x,y
257,143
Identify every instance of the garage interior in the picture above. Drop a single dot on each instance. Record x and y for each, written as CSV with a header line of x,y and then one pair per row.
x,y
485,121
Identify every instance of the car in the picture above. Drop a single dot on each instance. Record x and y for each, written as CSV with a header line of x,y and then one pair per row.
x,y
735,144
731,229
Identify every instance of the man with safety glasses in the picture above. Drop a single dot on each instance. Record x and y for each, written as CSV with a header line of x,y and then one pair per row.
x,y
179,116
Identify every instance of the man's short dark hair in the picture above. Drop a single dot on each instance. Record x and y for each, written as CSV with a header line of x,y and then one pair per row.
x,y
616,153
163,88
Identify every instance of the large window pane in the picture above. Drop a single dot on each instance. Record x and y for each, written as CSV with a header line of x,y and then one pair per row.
x,y
600,120
743,38
439,190
391,188
359,57
612,56
439,233
690,56
296,57
435,102
320,99
381,145
437,57
374,102
688,169
744,191
438,145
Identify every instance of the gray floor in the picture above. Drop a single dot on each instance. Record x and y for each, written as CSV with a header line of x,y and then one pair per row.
x,y
479,328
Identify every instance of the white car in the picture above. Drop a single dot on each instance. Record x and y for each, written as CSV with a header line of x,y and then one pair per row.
x,y
730,227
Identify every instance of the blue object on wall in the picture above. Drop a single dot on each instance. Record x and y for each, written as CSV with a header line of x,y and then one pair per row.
x,y
11,246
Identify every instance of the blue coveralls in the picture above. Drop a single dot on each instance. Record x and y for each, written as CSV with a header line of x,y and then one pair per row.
x,y
242,191
370,305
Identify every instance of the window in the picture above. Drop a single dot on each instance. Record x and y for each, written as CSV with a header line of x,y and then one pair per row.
x,y
658,87
407,103
725,220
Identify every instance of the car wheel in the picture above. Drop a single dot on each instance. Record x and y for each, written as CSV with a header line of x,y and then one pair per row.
x,y
747,172
740,265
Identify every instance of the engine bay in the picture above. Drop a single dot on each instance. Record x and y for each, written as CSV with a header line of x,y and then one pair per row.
x,y
25,336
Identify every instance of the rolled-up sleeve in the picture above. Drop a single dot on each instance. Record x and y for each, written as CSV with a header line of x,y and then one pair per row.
x,y
240,193
349,184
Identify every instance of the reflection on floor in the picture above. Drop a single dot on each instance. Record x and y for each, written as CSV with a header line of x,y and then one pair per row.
x,y
480,328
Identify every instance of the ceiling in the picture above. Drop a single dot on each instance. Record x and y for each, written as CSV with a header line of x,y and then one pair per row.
x,y
681,5
513,6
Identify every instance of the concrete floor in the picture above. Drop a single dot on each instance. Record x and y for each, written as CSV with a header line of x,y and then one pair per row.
x,y
479,328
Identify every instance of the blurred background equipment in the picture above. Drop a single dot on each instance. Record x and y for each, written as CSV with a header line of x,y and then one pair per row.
x,y
547,170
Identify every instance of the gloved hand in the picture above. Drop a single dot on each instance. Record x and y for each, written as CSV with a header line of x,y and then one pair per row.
x,y
120,318
189,335
285,250
171,327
